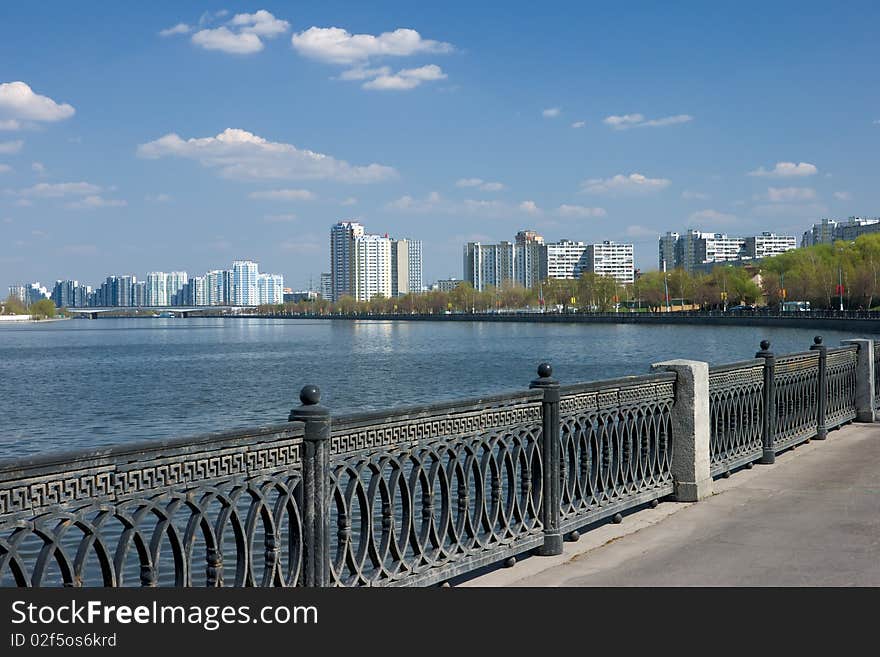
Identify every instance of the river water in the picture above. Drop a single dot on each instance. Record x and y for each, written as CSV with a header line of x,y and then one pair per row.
x,y
80,383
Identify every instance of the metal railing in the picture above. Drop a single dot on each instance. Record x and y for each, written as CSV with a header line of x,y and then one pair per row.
x,y
411,496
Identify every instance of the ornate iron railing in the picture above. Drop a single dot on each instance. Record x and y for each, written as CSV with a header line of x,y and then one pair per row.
x,y
616,446
796,394
736,407
424,494
840,378
877,374
211,510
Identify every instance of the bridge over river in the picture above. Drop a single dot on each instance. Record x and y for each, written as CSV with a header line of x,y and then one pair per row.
x,y
177,311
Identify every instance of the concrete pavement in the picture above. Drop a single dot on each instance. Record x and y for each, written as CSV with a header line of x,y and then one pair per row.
x,y
811,519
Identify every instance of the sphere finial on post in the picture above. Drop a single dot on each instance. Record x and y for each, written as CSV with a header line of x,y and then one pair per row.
x,y
765,350
817,340
310,395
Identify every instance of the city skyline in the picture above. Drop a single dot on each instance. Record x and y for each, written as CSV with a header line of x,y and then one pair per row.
x,y
175,134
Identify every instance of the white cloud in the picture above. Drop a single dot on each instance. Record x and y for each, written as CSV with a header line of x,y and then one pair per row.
x,y
300,246
180,28
788,194
337,46
363,73
222,38
38,168
351,200
283,195
843,196
23,203
57,190
790,209
18,103
786,170
624,121
578,124
242,155
159,198
551,112
408,78
694,196
5,168
481,184
10,147
529,207
95,201
713,216
635,183
262,23
579,211
877,122
279,218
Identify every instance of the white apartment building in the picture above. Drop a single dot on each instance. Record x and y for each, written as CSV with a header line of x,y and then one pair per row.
x,y
174,282
326,286
566,259
768,244
270,289
244,283
611,259
531,258
156,292
371,266
488,265
342,236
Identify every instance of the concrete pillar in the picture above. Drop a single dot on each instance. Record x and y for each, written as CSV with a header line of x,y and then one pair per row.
x,y
690,429
865,411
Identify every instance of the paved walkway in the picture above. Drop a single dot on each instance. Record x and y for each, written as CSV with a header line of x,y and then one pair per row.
x,y
811,519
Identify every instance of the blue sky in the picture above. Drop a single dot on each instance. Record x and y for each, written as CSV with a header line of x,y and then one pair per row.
x,y
250,128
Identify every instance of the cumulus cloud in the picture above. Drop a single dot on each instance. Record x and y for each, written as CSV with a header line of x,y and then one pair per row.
x,y
159,198
434,203
95,201
335,45
625,121
480,184
406,79
634,183
529,207
843,196
243,34
351,200
786,170
551,112
242,155
280,218
5,168
713,216
637,231
18,103
283,195
694,196
38,168
788,194
10,147
180,28
578,124
579,211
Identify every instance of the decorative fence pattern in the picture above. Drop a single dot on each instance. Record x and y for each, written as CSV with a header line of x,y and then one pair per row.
x,y
736,408
214,510
421,495
409,497
616,446
796,394
840,377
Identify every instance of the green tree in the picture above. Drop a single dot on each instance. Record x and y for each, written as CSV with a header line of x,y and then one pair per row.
x,y
13,306
42,309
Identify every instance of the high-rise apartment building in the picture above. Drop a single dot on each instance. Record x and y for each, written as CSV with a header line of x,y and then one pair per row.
x,y
244,283
696,250
611,259
566,259
371,266
669,250
342,237
531,258
139,294
157,288
406,267
326,285
827,231
174,282
766,245
488,265
270,289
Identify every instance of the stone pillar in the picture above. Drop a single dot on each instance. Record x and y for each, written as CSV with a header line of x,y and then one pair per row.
x,y
865,411
690,429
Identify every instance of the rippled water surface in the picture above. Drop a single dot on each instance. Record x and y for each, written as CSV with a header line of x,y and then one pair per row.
x,y
82,383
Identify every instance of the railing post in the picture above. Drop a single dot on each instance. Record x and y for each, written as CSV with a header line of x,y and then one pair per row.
x,y
551,457
865,393
690,429
821,429
768,421
315,487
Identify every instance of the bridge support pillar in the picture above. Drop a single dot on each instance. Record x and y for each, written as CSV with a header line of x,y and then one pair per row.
x,y
690,429
865,393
